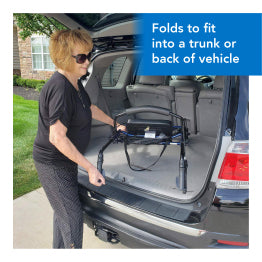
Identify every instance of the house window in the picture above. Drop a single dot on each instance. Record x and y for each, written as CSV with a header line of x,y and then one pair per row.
x,y
40,54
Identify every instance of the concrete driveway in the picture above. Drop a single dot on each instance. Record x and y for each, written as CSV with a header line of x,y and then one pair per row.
x,y
32,224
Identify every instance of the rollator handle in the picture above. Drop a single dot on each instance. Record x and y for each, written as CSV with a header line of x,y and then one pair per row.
x,y
142,109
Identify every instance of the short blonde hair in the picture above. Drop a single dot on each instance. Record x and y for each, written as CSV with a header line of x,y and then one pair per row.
x,y
62,43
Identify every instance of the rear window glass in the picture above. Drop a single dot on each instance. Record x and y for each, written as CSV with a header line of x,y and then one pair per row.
x,y
86,20
96,21
113,72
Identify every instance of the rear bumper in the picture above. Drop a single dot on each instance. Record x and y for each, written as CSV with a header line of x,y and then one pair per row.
x,y
128,235
138,229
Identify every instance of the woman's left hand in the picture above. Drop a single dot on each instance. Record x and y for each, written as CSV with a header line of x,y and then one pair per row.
x,y
121,127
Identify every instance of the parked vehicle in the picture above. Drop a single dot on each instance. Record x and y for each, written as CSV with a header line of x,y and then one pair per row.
x,y
149,208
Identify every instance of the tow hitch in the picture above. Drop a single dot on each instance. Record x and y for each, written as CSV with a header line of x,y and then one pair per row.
x,y
106,234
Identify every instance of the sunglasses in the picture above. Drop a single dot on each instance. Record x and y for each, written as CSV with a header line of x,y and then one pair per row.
x,y
81,58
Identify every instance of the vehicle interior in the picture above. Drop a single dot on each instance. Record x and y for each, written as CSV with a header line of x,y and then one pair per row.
x,y
114,85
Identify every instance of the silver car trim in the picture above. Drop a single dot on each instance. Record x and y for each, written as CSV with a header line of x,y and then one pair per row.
x,y
151,219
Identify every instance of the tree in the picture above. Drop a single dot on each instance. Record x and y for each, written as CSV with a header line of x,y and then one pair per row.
x,y
36,24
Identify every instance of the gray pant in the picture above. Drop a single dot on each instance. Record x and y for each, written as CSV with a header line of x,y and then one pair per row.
x,y
61,188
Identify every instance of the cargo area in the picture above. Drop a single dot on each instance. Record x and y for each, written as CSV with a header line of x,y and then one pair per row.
x,y
113,87
161,180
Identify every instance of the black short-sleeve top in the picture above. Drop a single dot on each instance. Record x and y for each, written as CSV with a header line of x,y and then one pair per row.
x,y
59,100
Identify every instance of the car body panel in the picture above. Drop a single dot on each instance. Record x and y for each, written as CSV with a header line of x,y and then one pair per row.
x,y
242,116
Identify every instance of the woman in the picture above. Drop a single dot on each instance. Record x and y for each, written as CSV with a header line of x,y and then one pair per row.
x,y
64,124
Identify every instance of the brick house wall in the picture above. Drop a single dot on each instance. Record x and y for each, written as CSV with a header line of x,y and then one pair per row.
x,y
26,66
16,59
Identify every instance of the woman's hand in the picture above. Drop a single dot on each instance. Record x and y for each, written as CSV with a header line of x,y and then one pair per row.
x,y
95,176
121,127
99,115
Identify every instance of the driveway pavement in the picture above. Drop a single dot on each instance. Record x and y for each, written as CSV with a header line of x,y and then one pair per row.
x,y
32,224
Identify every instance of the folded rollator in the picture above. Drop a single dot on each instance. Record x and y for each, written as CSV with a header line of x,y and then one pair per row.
x,y
151,132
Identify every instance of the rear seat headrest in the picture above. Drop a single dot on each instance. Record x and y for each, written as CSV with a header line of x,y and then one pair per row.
x,y
152,80
210,94
185,77
218,82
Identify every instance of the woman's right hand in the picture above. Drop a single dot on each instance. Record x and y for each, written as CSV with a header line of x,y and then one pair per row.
x,y
95,177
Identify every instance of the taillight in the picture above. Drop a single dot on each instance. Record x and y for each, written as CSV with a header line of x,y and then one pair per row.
x,y
234,172
232,243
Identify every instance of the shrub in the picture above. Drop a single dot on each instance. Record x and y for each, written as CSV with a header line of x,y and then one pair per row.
x,y
39,86
21,82
31,83
15,78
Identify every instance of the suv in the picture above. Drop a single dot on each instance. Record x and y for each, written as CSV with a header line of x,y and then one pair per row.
x,y
205,207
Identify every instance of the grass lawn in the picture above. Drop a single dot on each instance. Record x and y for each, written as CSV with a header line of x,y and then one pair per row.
x,y
25,117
